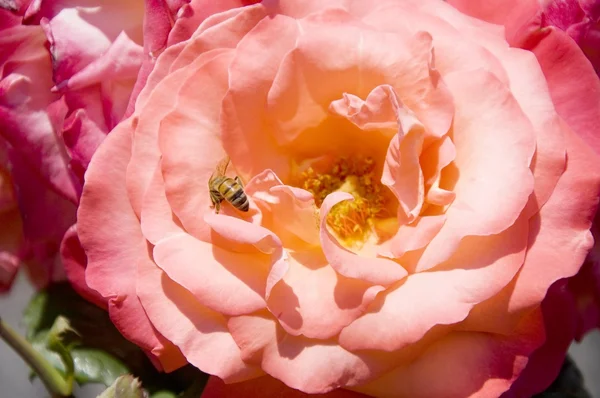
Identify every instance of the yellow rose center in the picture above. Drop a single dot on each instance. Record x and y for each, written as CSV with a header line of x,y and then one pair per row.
x,y
353,222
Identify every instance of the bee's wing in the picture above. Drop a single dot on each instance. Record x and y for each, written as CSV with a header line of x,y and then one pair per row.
x,y
221,166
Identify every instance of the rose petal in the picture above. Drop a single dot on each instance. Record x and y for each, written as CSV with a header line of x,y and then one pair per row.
x,y
327,53
496,175
75,263
477,271
157,219
190,144
290,212
464,364
314,301
265,386
560,239
200,333
114,244
575,98
209,272
314,367
545,363
242,132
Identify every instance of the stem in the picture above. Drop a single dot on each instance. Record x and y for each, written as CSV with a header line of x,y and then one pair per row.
x,y
52,379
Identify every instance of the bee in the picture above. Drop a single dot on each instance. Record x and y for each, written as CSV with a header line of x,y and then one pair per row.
x,y
221,187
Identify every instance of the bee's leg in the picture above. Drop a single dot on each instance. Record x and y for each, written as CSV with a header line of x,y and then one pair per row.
x,y
239,181
216,199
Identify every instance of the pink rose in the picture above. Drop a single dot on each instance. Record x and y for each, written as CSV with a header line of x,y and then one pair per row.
x,y
68,74
415,204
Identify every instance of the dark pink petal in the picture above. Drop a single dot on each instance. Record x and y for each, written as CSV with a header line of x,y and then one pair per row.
x,y
574,85
543,366
75,261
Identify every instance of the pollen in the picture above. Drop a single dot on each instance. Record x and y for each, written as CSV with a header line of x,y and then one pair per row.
x,y
353,222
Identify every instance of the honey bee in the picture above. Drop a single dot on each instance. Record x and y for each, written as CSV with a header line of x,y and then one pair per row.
x,y
221,187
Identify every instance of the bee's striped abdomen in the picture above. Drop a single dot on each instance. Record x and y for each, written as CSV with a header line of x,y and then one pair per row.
x,y
233,192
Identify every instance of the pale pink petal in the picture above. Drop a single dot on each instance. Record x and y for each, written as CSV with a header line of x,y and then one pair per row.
x,y
494,144
145,153
243,237
302,9
464,365
154,105
115,244
415,235
563,238
560,239
479,269
220,31
378,112
515,15
228,282
327,63
456,47
190,144
200,333
435,157
402,170
181,30
312,366
314,301
196,12
157,218
242,132
375,270
288,211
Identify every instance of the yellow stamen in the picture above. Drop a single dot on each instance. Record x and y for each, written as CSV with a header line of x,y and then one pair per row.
x,y
352,221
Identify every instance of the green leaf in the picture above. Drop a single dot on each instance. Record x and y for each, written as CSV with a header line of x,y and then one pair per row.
x,y
90,365
57,342
125,386
102,353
